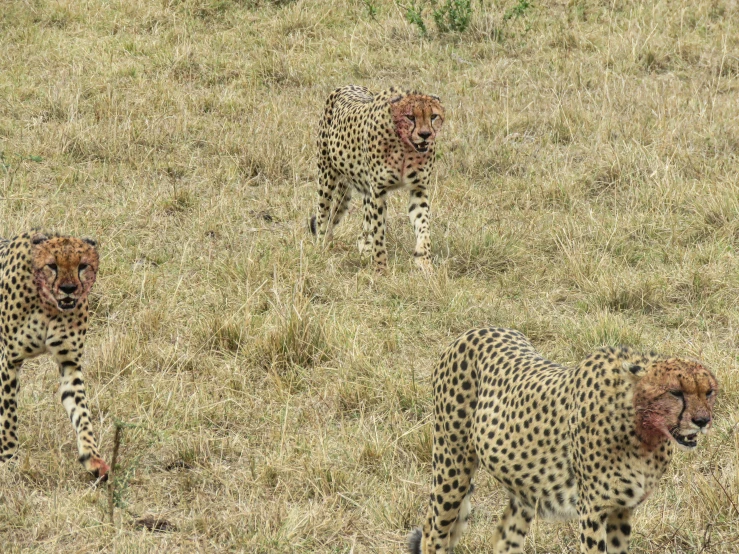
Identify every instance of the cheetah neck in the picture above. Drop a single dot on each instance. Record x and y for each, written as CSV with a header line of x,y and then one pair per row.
x,y
403,162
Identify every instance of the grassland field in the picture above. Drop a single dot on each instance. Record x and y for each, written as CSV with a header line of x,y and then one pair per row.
x,y
274,397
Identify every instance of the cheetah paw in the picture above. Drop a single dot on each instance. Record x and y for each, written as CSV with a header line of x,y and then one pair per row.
x,y
364,245
97,467
424,264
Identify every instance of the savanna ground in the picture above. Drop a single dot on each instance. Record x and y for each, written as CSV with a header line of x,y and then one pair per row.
x,y
277,398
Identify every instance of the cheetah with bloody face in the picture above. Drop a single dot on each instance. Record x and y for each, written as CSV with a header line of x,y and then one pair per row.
x,y
589,442
373,143
44,284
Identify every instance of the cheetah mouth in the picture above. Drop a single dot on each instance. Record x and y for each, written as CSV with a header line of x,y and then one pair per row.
x,y
66,303
421,147
688,441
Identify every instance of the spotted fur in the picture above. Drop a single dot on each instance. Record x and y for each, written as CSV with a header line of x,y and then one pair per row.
x,y
589,442
373,143
44,284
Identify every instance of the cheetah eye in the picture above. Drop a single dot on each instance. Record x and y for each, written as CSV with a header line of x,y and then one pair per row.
x,y
83,267
434,117
51,266
709,394
677,393
411,117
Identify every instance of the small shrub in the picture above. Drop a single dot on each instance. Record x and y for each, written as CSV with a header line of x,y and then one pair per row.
x,y
519,10
415,17
453,15
449,15
371,9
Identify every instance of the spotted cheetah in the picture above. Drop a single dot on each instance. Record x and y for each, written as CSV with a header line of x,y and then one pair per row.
x,y
44,283
589,442
373,143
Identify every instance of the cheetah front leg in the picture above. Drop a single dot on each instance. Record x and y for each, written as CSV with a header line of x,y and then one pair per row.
x,y
618,531
72,393
593,532
418,212
8,407
375,218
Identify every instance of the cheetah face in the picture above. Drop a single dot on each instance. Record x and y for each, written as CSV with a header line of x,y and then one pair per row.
x,y
64,270
674,400
418,118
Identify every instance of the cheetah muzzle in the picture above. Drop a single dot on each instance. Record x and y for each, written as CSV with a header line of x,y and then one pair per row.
x,y
688,441
421,147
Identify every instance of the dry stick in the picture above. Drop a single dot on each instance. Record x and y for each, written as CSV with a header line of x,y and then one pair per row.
x,y
111,484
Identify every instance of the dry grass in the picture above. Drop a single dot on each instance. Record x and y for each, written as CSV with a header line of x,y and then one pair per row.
x,y
276,398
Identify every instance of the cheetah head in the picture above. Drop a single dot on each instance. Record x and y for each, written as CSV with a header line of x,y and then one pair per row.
x,y
418,118
673,400
64,269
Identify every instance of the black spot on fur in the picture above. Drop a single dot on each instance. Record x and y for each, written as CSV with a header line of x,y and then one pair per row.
x,y
312,225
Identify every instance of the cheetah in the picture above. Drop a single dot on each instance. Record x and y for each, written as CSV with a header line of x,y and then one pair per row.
x,y
44,284
373,143
589,442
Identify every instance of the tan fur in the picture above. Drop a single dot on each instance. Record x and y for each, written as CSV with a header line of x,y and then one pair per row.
x,y
589,442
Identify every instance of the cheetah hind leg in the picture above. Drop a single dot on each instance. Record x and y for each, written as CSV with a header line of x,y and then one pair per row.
x,y
512,529
460,525
344,194
415,539
364,242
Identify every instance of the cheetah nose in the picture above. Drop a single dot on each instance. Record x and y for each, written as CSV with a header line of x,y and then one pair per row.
x,y
424,135
68,289
701,421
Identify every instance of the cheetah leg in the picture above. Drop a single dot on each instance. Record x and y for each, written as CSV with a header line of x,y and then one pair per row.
x,y
512,529
618,530
343,194
320,223
449,506
364,243
460,526
8,407
592,532
72,393
377,223
418,212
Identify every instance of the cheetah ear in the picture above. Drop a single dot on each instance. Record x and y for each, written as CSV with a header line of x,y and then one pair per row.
x,y
395,99
636,370
90,241
38,238
435,97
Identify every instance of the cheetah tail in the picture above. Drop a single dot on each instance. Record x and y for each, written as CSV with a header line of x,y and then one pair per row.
x,y
414,541
312,225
